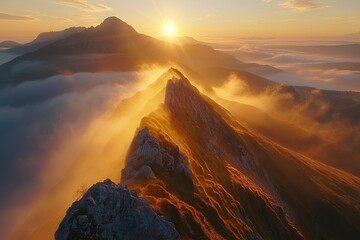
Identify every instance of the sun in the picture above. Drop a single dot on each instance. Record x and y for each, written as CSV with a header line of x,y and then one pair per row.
x,y
169,29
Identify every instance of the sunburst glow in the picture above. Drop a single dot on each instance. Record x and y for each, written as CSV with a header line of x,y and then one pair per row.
x,y
169,29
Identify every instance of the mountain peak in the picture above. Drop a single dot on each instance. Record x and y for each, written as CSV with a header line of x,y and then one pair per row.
x,y
171,74
180,92
116,24
112,20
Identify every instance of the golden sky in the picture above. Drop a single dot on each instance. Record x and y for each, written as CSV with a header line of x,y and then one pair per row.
x,y
22,20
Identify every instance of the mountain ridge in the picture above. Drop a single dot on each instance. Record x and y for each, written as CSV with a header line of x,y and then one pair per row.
x,y
111,46
154,159
218,159
241,183
204,134
9,44
44,39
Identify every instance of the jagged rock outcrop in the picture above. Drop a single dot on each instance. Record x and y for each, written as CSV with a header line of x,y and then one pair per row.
x,y
110,211
152,158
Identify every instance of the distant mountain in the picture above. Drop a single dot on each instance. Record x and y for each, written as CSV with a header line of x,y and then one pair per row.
x,y
344,106
44,39
9,44
182,40
214,178
112,46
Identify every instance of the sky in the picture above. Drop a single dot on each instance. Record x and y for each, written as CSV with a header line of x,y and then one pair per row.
x,y
22,20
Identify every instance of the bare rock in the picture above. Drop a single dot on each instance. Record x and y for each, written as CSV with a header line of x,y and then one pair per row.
x,y
110,211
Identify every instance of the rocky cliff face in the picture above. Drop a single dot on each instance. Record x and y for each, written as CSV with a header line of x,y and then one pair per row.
x,y
213,179
207,120
221,205
151,158
180,164
110,211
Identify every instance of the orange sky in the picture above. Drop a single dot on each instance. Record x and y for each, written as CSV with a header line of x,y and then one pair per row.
x,y
241,18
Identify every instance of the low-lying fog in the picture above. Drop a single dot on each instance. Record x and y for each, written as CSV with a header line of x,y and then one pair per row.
x,y
6,57
327,64
44,126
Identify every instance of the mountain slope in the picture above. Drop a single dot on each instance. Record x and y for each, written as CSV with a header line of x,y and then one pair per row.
x,y
112,46
44,39
184,110
219,203
75,53
214,179
9,44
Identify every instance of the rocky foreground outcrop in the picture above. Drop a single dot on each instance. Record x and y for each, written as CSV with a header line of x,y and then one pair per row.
x,y
110,211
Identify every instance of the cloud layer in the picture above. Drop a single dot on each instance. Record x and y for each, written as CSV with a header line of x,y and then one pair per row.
x,y
84,5
38,119
301,4
325,69
5,16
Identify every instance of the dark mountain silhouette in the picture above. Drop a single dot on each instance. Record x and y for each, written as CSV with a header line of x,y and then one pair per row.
x,y
44,39
9,44
112,46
